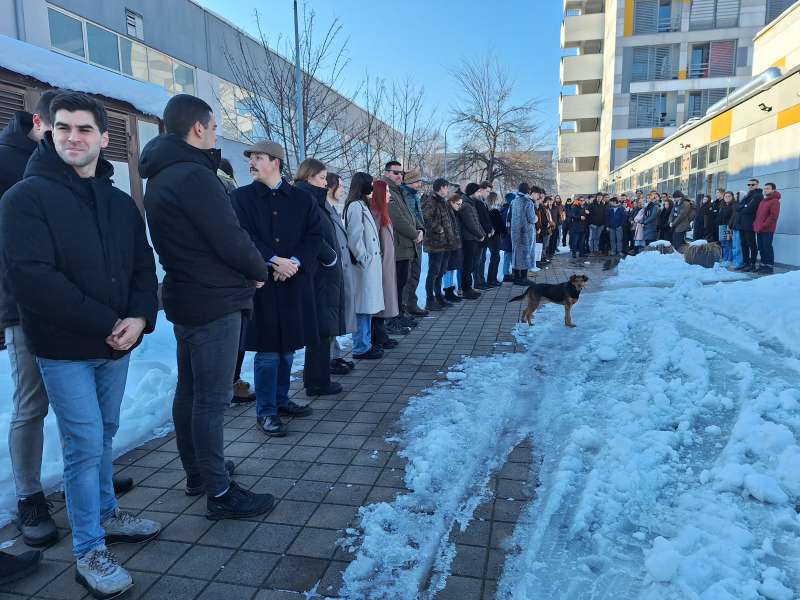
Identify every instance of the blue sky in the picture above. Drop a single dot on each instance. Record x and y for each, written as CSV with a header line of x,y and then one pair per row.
x,y
423,39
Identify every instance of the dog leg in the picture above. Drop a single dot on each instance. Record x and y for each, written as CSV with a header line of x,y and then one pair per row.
x,y
568,315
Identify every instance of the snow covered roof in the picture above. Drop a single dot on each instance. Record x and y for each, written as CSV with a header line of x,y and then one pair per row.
x,y
62,71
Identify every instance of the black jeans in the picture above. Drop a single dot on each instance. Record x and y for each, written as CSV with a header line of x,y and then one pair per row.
x,y
765,248
237,374
206,362
678,239
480,265
469,250
749,247
494,263
317,367
379,334
437,267
401,269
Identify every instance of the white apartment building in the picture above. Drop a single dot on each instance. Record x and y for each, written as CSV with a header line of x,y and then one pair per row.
x,y
637,70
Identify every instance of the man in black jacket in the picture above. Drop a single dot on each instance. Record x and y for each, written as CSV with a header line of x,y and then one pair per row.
x,y
212,269
746,210
486,224
597,223
83,276
471,235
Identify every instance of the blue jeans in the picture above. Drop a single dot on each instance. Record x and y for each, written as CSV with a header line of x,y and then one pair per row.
x,y
576,242
727,245
615,239
86,396
272,373
506,263
595,231
738,257
362,336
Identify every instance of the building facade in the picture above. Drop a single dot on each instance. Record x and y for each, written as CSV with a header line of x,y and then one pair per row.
x,y
638,70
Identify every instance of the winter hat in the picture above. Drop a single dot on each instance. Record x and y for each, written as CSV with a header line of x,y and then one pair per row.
x,y
524,188
677,194
412,176
471,188
266,147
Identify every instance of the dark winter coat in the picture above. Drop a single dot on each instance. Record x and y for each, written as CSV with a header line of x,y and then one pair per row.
x,y
328,280
471,229
404,224
77,257
441,229
283,222
746,210
726,216
769,209
616,216
664,230
574,214
15,150
505,215
650,222
597,213
499,225
681,215
485,220
209,260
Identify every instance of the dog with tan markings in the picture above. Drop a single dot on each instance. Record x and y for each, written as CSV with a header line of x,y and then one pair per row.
x,y
566,294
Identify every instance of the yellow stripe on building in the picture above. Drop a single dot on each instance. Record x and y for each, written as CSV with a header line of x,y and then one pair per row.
x,y
780,63
789,116
721,126
682,74
628,28
621,143
657,133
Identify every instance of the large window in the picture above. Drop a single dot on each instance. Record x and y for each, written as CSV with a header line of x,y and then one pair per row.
x,y
776,7
102,47
714,14
712,59
655,63
650,110
656,16
698,102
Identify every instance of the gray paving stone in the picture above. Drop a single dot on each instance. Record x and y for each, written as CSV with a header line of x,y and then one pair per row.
x,y
227,591
469,560
296,573
333,516
347,493
291,512
362,475
157,556
271,537
175,588
228,533
201,562
324,472
248,568
316,543
461,588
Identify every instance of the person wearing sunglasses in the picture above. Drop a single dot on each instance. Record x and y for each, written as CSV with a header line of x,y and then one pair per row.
x,y
745,215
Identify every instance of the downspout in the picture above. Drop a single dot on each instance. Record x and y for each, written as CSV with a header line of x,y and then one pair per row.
x,y
19,13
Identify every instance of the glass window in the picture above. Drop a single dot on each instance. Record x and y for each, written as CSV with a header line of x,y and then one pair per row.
x,y
678,165
160,69
723,149
66,33
134,59
712,154
103,48
184,79
701,157
694,160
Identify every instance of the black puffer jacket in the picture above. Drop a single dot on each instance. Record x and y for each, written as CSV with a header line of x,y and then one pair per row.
x,y
747,208
15,150
209,260
77,258
328,282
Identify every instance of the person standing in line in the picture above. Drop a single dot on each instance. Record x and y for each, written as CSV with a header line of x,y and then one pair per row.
x,y
312,178
578,220
523,224
650,218
285,225
211,271
765,224
363,241
412,184
339,365
482,208
505,240
498,232
726,217
471,235
565,221
664,229
616,221
379,208
597,223
441,237
557,211
699,231
456,258
746,210
679,220
82,273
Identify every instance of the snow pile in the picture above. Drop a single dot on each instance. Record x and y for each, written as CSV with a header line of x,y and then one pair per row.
x,y
64,72
656,269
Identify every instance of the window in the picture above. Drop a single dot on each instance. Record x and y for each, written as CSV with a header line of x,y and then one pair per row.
x,y
702,156
712,154
103,49
776,7
654,63
650,110
160,69
713,14
712,59
637,147
184,79
656,16
66,33
12,99
698,102
723,149
134,24
134,59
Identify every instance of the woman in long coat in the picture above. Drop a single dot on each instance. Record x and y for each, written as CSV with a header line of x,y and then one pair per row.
x,y
523,223
365,250
312,178
379,207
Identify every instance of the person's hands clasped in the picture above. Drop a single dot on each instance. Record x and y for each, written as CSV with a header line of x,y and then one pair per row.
x,y
286,267
126,333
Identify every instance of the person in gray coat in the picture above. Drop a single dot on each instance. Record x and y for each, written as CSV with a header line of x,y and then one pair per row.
x,y
523,224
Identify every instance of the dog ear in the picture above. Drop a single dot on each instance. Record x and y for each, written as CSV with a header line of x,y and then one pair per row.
x,y
585,278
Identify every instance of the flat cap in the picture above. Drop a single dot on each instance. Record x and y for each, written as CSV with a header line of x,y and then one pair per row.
x,y
267,147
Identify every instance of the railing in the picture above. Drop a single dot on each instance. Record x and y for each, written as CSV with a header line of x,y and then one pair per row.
x,y
698,70
669,24
638,121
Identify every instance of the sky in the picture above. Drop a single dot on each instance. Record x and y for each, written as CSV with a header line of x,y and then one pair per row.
x,y
424,39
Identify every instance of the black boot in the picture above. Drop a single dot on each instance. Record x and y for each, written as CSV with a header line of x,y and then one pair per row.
x,y
16,567
451,296
431,304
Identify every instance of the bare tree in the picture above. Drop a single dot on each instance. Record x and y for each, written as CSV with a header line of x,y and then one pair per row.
x,y
499,137
266,94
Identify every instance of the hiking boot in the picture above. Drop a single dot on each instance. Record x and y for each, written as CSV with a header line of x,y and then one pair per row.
x,y
13,567
242,392
124,527
272,426
766,269
373,353
389,343
417,311
432,305
442,303
195,485
481,286
331,389
508,278
292,409
451,296
122,484
238,503
470,294
339,367
99,572
396,328
407,321
34,521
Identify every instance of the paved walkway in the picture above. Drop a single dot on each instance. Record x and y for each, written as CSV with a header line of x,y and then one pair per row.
x,y
327,467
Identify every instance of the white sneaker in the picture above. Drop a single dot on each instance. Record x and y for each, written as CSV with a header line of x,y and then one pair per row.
x,y
99,572
125,527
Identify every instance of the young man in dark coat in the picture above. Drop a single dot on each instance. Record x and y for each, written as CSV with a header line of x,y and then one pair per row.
x,y
471,235
83,276
211,271
284,224
746,210
441,239
480,195
412,184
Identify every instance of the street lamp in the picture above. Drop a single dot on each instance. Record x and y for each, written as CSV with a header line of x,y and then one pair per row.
x,y
445,145
298,91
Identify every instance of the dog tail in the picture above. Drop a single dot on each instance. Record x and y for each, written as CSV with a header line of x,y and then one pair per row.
x,y
520,297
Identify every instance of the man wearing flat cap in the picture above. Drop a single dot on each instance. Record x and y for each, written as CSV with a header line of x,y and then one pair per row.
x,y
412,184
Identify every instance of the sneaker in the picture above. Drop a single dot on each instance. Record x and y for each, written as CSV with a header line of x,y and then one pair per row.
x,y
99,572
389,343
124,527
350,364
195,486
34,521
242,392
292,409
122,484
331,389
396,328
451,296
338,367
417,311
272,426
373,353
470,295
407,321
442,303
238,503
13,567
432,305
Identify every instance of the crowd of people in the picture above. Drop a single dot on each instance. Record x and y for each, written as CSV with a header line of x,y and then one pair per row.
x,y
269,267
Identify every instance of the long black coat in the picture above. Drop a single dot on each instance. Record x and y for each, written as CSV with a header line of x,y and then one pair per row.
x,y
328,281
284,222
747,208
77,258
15,150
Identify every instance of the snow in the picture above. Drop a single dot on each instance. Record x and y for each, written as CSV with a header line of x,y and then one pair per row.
x,y
64,72
666,435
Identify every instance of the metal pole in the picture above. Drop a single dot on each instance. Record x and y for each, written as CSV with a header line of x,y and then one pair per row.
x,y
445,152
298,89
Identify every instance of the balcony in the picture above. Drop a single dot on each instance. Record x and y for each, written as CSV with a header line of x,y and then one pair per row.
x,y
582,28
578,144
571,184
583,106
583,67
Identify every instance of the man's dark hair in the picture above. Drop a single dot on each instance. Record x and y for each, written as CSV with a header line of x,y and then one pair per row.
x,y
75,101
183,111
226,167
753,179
42,107
471,188
772,185
390,164
439,184
485,185
524,188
